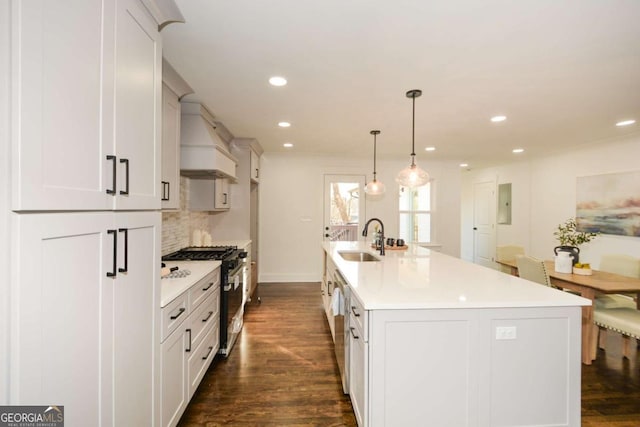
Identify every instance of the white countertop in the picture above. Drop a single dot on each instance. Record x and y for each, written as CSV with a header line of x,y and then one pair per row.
x,y
171,289
420,278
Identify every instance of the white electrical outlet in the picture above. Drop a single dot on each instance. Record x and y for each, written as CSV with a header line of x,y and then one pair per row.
x,y
506,333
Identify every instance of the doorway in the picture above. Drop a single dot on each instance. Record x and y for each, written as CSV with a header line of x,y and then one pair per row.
x,y
484,214
344,207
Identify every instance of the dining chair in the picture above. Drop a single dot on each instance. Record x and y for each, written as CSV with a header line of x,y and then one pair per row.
x,y
532,269
623,320
508,253
624,265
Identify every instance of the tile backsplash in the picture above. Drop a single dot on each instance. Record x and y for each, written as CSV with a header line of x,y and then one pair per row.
x,y
178,226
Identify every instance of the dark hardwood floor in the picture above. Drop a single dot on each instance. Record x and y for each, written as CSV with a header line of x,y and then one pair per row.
x,y
282,372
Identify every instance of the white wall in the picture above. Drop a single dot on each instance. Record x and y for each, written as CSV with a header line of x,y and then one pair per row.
x,y
291,209
544,195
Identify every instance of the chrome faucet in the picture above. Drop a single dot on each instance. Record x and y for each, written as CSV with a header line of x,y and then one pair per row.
x,y
381,242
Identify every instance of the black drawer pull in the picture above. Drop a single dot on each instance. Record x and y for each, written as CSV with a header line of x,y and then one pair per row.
x,y
112,191
208,287
353,310
182,310
113,272
126,185
355,337
208,317
208,353
189,349
165,193
126,250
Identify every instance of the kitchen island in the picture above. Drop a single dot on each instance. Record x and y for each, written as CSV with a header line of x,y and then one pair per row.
x,y
434,340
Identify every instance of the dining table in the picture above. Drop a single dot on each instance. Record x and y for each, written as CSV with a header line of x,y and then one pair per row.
x,y
588,286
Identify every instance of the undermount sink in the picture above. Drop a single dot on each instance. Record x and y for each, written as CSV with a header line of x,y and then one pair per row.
x,y
357,256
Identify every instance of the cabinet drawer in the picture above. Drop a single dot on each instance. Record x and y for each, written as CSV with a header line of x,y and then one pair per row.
x,y
203,355
205,287
358,317
173,315
207,313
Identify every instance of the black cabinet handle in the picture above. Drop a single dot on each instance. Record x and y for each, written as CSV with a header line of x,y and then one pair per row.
x,y
113,273
225,198
126,185
189,349
165,194
208,353
208,287
126,249
112,190
475,228
257,173
353,334
353,310
208,317
182,310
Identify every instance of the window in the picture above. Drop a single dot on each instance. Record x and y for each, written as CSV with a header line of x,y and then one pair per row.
x,y
415,214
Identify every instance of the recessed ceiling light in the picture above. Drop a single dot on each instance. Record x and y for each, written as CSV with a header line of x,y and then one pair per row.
x,y
625,123
430,149
278,81
518,150
284,124
287,145
496,119
464,165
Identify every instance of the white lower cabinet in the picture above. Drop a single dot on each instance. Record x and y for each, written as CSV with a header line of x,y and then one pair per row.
x,y
85,322
358,361
190,341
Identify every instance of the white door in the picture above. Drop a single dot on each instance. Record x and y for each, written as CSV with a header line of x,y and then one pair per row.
x,y
344,207
61,352
138,106
59,94
484,213
135,317
170,149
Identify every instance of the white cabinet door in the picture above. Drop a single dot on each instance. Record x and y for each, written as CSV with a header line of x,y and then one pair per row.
x,y
222,198
86,83
358,371
174,377
86,338
136,319
170,149
255,167
59,93
137,109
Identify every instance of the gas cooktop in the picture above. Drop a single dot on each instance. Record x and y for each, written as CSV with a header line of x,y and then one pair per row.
x,y
202,253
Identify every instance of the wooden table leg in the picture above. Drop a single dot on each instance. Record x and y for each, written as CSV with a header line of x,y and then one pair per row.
x,y
588,331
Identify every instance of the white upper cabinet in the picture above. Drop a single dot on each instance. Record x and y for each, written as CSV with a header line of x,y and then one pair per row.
x,y
86,82
170,149
255,167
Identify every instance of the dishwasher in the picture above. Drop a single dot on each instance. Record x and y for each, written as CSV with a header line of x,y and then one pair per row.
x,y
342,327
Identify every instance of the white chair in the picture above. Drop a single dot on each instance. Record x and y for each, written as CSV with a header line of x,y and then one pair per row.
x,y
532,269
508,253
623,320
623,265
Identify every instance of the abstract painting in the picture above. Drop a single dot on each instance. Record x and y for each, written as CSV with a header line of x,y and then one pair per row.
x,y
609,204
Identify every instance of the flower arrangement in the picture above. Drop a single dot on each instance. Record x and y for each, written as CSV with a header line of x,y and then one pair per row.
x,y
568,235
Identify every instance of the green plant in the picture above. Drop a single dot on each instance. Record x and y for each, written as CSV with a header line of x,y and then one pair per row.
x,y
568,235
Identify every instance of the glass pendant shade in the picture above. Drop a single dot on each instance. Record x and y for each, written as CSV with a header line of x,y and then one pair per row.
x,y
375,187
412,176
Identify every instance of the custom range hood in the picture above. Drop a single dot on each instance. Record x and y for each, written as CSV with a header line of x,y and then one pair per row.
x,y
203,154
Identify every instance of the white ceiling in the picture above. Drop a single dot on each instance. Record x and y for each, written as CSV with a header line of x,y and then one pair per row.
x,y
562,71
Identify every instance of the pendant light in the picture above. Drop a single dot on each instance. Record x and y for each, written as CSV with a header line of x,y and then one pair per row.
x,y
412,176
375,187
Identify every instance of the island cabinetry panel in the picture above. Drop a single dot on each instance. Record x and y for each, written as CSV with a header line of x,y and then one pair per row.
x,y
473,367
100,151
193,319
86,323
358,361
